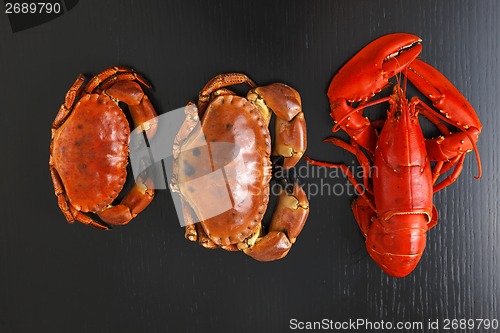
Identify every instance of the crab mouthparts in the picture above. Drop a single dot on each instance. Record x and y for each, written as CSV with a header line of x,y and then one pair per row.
x,y
403,49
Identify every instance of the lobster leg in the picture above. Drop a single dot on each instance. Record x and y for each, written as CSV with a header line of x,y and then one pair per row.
x,y
357,126
445,150
443,167
430,115
348,173
364,214
434,219
363,208
443,162
453,176
449,145
286,224
354,149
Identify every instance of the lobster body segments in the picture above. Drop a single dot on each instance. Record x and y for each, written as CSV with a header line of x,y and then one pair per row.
x,y
402,187
402,174
401,167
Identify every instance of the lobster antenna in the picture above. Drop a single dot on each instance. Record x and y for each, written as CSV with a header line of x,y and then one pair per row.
x,y
405,84
478,158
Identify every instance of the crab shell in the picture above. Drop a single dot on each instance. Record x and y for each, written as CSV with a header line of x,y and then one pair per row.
x,y
90,152
229,119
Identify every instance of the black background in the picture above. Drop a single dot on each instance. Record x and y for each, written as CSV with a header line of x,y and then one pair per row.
x,y
145,277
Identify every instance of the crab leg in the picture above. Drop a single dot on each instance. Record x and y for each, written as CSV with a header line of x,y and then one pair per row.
x,y
60,194
225,80
286,224
194,231
111,75
70,213
217,83
69,101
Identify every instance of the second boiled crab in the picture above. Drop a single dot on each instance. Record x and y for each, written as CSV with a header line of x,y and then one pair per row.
x,y
221,116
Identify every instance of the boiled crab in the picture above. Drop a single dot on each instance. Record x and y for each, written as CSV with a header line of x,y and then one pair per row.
x,y
223,117
89,148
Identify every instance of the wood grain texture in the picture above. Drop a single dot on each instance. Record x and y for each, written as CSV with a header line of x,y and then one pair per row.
x,y
146,277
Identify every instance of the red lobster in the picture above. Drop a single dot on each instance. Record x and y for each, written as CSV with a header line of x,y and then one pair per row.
x,y
396,210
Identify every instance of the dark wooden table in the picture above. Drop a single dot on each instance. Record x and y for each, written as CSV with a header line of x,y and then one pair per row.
x,y
146,277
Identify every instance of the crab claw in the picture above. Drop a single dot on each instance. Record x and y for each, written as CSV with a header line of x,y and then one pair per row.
x,y
286,224
370,69
290,127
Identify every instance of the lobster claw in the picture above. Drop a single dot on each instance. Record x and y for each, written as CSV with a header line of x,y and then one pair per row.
x,y
363,76
370,69
455,110
443,94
